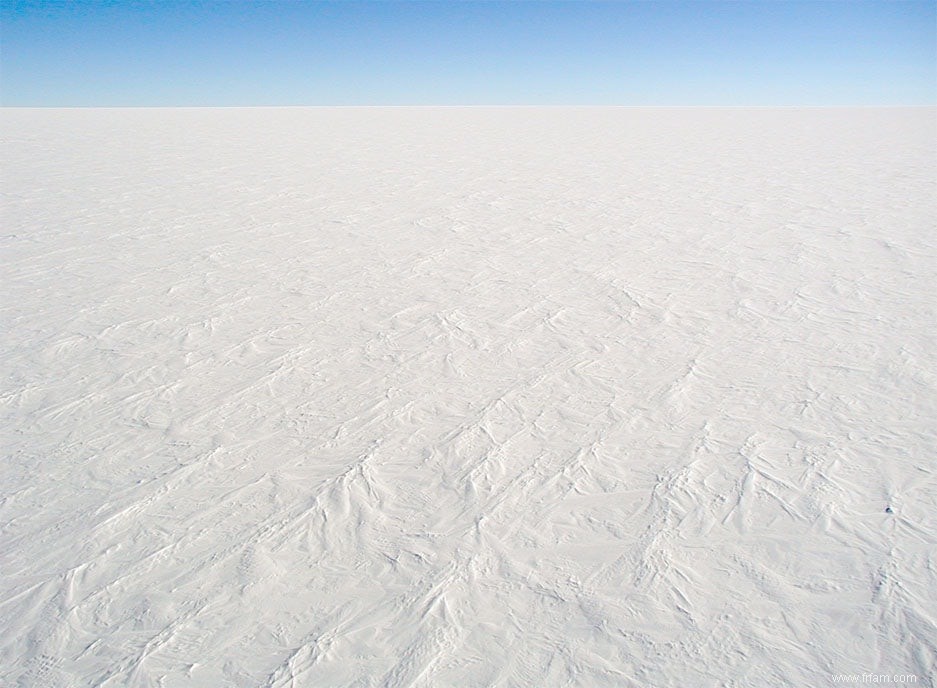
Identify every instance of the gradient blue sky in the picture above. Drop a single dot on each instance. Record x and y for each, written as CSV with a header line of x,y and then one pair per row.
x,y
175,52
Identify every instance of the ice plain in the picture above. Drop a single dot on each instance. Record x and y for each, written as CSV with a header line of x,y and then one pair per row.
x,y
468,396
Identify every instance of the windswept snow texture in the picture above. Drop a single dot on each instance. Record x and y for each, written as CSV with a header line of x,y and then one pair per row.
x,y
468,397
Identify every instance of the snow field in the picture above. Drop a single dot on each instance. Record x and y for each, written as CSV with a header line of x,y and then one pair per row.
x,y
467,397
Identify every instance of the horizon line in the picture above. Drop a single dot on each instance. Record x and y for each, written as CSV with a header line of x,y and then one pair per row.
x,y
476,105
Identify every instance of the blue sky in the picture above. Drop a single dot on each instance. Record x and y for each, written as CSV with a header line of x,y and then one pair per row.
x,y
175,52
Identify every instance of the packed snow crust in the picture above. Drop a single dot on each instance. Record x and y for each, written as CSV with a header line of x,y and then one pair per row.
x,y
467,397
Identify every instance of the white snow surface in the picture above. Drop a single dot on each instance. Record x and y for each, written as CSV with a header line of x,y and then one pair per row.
x,y
467,397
